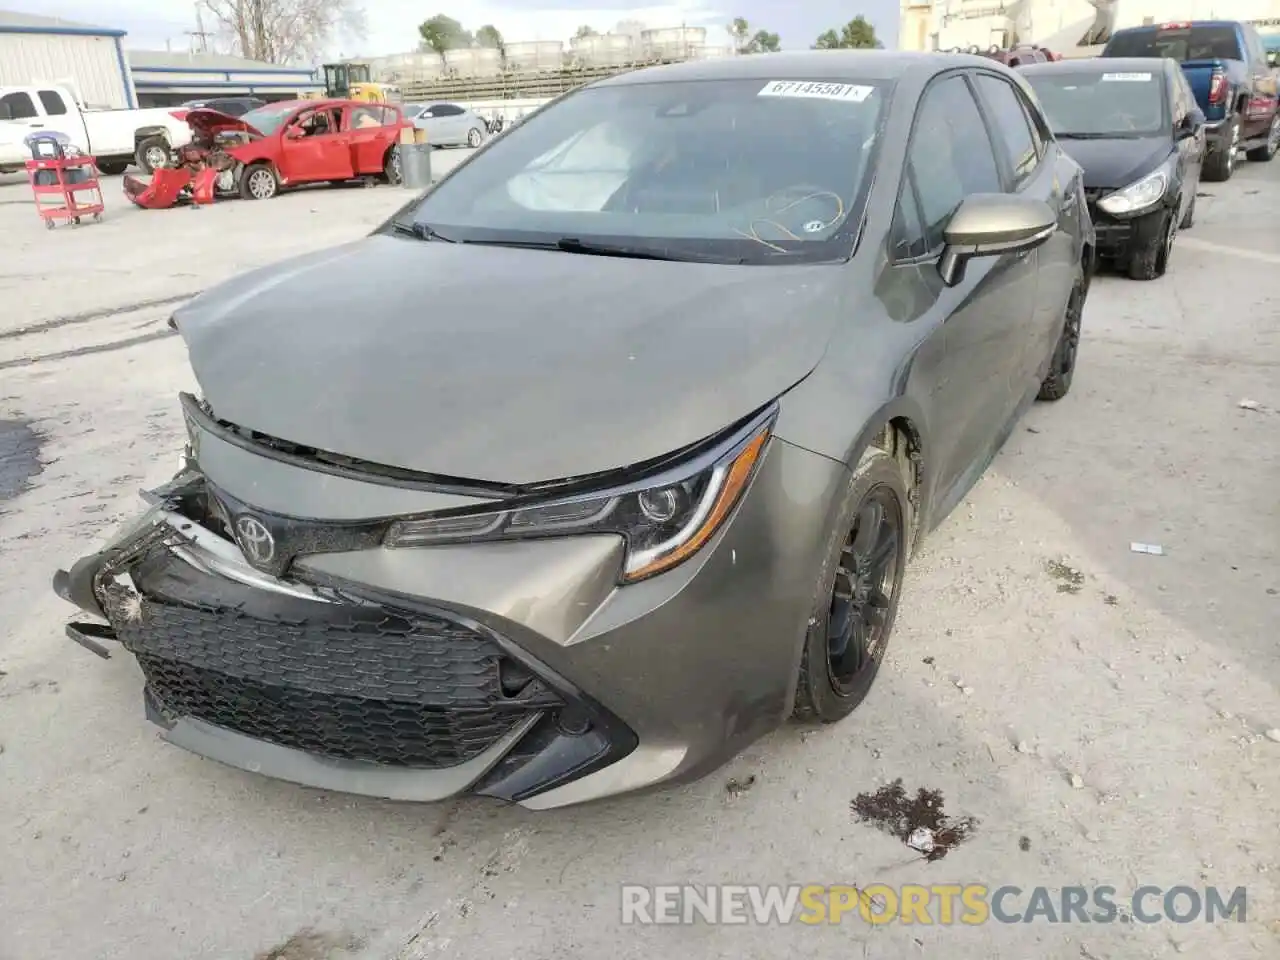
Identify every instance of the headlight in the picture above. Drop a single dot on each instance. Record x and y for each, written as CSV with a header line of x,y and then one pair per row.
x,y
1138,195
665,518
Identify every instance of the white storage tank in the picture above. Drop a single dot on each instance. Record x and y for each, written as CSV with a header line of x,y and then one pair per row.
x,y
534,55
474,61
603,49
673,43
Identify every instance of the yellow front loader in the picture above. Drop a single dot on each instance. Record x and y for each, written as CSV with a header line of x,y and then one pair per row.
x,y
351,81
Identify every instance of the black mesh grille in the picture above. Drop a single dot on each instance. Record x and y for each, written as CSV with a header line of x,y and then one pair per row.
x,y
351,681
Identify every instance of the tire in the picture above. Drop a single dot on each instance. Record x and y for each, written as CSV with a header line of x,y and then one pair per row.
x,y
151,154
474,137
836,672
259,182
1219,165
1062,365
112,168
1189,218
1151,261
1268,150
391,167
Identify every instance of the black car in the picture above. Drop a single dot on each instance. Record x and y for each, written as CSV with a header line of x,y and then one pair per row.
x,y
231,106
1134,126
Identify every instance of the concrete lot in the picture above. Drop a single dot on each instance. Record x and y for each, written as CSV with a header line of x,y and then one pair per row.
x,y
1152,681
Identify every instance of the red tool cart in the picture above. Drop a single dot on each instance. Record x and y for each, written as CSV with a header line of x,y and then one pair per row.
x,y
65,183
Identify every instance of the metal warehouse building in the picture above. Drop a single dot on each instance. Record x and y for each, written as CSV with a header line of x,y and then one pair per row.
x,y
86,58
163,79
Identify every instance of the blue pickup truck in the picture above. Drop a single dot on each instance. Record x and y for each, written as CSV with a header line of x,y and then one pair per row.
x,y
1226,64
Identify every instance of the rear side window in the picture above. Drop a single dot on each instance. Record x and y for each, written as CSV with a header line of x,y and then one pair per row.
x,y
20,106
1196,43
950,155
51,100
1013,126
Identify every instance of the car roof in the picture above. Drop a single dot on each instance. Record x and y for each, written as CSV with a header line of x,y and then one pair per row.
x,y
1099,65
816,65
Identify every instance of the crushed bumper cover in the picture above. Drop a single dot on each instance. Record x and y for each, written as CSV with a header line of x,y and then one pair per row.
x,y
525,673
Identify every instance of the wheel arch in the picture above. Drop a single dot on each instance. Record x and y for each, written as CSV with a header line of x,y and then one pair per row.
x,y
898,428
146,133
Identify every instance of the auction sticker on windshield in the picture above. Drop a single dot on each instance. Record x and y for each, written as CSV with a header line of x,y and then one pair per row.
x,y
1130,77
815,90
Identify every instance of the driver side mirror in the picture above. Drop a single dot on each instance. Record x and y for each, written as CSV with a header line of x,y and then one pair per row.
x,y
1191,123
293,133
991,225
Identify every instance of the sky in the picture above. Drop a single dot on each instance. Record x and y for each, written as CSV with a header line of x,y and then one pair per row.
x,y
392,24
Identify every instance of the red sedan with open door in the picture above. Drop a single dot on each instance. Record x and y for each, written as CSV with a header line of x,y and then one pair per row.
x,y
276,146
313,140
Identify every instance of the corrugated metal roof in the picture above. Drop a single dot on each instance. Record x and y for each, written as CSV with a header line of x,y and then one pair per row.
x,y
12,18
165,60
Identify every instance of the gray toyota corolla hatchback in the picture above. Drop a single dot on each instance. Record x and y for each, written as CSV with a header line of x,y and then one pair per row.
x,y
755,327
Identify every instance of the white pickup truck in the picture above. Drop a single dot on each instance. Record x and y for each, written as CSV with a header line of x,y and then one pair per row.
x,y
116,138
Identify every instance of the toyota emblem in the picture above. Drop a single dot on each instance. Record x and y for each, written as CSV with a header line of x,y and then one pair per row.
x,y
256,541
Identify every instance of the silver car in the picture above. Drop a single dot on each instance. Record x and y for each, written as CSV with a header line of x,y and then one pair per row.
x,y
447,124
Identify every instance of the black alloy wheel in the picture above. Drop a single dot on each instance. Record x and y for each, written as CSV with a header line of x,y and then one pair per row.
x,y
1062,366
865,588
856,600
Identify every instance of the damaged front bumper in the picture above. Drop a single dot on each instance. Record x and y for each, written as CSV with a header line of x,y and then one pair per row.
x,y
517,670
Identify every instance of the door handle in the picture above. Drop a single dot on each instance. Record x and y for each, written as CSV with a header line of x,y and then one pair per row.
x,y
36,125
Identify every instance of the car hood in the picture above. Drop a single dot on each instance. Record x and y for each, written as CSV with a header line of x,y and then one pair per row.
x,y
506,365
1115,163
209,122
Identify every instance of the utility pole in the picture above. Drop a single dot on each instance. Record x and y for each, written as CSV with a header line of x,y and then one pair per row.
x,y
199,36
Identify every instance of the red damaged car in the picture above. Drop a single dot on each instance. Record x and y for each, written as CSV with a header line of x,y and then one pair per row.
x,y
276,146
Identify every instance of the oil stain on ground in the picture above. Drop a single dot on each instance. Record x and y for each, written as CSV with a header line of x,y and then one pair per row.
x,y
307,944
912,819
1070,580
19,457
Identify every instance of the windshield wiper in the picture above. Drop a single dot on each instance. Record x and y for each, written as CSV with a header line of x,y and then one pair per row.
x,y
591,248
574,245
420,230
1094,136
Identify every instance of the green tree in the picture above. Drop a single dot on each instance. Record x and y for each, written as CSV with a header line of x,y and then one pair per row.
x,y
490,36
586,31
442,33
764,42
857,34
744,41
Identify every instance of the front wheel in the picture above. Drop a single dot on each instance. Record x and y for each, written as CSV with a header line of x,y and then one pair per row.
x,y
152,154
474,137
1062,366
259,182
858,595
1151,260
1264,153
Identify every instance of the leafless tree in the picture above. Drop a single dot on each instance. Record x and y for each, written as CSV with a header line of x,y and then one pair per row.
x,y
285,31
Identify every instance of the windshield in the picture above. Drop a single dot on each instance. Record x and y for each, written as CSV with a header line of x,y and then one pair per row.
x,y
750,171
1102,104
267,120
1181,44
